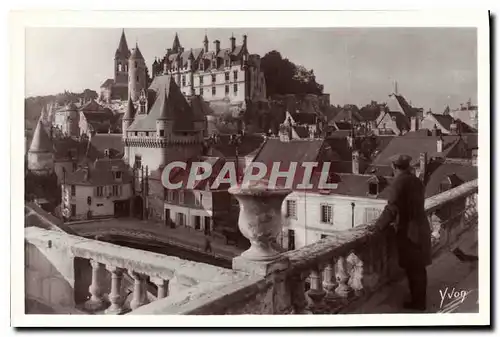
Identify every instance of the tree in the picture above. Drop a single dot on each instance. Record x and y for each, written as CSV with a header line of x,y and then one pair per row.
x,y
284,77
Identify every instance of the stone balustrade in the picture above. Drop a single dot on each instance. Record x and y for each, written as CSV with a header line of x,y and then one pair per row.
x,y
333,275
64,270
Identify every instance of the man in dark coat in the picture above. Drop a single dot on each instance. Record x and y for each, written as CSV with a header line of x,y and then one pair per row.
x,y
405,208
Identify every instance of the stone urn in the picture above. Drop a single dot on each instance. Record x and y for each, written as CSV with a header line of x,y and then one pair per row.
x,y
260,219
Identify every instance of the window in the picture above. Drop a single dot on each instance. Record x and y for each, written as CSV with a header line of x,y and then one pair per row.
x,y
323,236
201,80
201,91
135,64
372,188
181,197
183,80
73,190
327,214
226,64
119,67
371,214
100,191
213,78
227,89
99,205
73,210
213,91
115,190
291,209
197,200
137,78
235,75
227,76
235,88
74,166
170,196
118,175
291,239
162,133
181,219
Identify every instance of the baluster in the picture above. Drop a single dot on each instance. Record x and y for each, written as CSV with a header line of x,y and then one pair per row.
x,y
328,282
343,289
96,301
162,285
115,298
316,292
297,293
139,296
356,275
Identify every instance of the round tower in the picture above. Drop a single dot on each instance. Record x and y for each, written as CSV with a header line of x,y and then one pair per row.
x,y
137,74
40,156
128,118
162,128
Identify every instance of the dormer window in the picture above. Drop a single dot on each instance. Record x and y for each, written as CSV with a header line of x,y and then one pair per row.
x,y
372,188
226,63
375,185
118,175
106,152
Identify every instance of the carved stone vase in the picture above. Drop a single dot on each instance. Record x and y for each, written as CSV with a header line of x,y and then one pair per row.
x,y
260,219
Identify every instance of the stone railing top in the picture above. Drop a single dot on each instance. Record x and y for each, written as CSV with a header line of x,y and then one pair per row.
x,y
156,265
345,241
464,190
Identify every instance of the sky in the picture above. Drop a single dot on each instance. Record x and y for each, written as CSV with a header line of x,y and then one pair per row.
x,y
433,67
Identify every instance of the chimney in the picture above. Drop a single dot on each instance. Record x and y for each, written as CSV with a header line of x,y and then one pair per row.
x,y
355,162
244,41
414,124
233,42
440,144
453,128
217,46
86,173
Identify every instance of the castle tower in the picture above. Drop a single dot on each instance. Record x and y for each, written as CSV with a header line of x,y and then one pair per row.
x,y
162,127
40,156
205,44
128,118
122,55
176,46
137,74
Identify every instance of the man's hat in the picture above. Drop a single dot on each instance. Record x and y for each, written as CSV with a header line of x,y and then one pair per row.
x,y
401,160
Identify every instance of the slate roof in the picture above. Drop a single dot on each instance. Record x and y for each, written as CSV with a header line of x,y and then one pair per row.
x,y
356,185
249,143
122,51
107,141
304,118
94,107
177,108
215,162
136,54
459,173
301,131
101,174
446,120
41,141
413,146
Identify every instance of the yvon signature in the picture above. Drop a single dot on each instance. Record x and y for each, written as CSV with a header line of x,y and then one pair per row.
x,y
452,298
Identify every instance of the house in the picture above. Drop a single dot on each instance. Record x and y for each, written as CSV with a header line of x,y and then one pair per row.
x,y
99,189
395,117
434,145
467,113
360,199
446,123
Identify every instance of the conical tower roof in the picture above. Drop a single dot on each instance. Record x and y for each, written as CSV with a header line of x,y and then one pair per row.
x,y
130,113
164,112
176,46
122,52
136,54
41,141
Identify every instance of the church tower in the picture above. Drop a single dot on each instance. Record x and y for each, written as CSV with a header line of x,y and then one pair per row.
x,y
122,55
40,156
137,74
128,118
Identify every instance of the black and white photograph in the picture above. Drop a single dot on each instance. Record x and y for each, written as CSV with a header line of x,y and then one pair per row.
x,y
328,170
